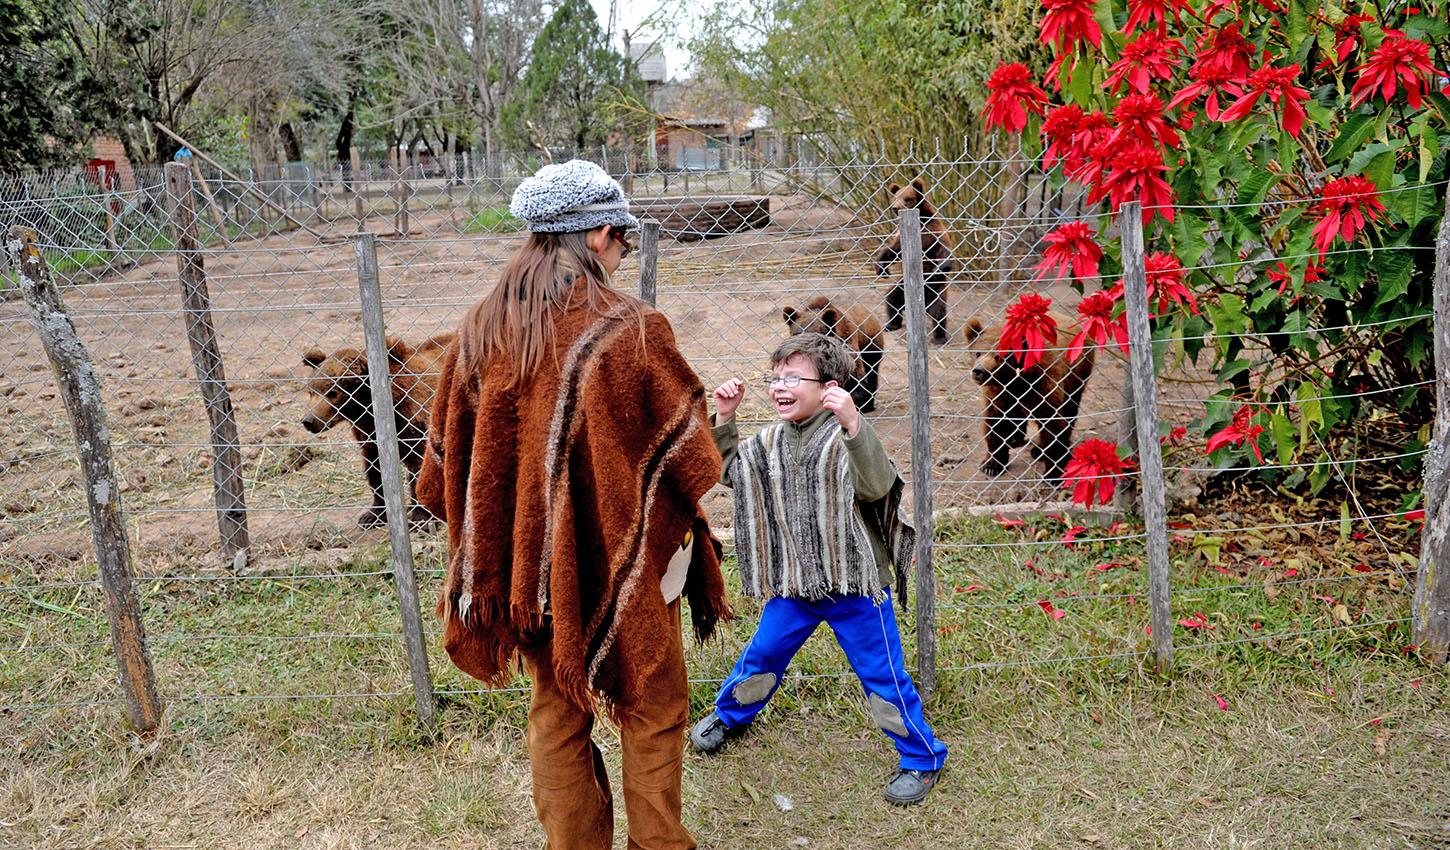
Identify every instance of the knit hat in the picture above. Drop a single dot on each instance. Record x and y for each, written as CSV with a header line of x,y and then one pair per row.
x,y
571,196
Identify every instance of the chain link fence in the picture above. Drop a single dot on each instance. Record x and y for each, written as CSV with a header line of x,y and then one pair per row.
x,y
245,446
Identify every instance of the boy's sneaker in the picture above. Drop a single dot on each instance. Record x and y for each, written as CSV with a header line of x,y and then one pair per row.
x,y
711,733
910,787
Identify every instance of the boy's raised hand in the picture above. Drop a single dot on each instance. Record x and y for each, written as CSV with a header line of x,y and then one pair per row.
x,y
728,397
840,403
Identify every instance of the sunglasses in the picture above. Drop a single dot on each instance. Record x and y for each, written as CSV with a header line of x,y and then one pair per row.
x,y
621,235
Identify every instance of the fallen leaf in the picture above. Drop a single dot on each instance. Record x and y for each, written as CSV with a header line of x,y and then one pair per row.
x,y
969,588
1222,703
1047,607
754,794
1008,523
1110,565
1341,613
1072,534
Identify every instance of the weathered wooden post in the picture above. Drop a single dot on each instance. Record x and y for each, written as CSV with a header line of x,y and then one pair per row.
x,y
359,188
649,253
231,504
394,498
1430,610
80,388
1153,497
919,388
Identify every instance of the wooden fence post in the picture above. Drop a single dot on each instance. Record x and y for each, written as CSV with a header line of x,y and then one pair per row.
x,y
649,255
80,388
1430,611
359,188
231,504
394,498
1150,454
401,190
919,388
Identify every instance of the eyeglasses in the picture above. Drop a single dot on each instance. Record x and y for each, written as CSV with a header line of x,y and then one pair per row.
x,y
619,234
788,380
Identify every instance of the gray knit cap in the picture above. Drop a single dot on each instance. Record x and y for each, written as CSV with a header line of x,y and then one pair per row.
x,y
571,196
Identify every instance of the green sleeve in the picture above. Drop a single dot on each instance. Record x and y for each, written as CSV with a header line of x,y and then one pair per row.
x,y
727,440
872,474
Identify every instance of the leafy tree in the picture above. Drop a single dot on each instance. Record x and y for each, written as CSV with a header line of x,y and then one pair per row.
x,y
880,77
37,122
572,76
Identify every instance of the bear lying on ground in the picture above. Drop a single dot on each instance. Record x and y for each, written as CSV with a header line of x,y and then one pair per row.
x,y
1049,393
341,393
858,329
937,261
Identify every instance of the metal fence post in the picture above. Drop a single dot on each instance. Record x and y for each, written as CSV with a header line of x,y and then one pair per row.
x,y
380,382
1430,611
231,503
649,255
919,388
1150,453
80,388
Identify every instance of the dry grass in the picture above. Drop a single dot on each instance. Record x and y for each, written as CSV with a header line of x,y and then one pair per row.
x,y
1331,739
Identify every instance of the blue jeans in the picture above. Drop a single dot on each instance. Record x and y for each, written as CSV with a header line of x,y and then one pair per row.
x,y
872,643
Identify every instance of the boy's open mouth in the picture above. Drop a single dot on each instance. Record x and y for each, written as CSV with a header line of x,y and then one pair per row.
x,y
783,404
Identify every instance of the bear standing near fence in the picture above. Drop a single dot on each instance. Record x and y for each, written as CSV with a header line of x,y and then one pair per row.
x,y
568,451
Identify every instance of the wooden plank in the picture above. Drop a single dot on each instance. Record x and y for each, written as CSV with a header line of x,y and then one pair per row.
x,y
1153,493
395,502
230,501
1430,610
248,187
919,389
359,212
80,388
649,253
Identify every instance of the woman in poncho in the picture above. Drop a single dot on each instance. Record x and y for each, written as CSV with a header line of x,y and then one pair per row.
x,y
568,450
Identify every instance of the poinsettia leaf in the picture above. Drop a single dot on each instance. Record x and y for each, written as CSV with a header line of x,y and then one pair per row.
x,y
1282,429
1351,136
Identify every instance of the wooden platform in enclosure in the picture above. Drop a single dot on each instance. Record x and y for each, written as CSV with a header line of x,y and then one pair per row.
x,y
686,219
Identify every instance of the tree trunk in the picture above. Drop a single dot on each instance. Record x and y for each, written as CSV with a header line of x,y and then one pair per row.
x,y
343,141
291,145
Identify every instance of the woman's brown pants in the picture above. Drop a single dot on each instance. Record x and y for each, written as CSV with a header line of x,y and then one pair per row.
x,y
571,788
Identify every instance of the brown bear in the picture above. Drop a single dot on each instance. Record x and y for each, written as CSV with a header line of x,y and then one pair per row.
x,y
858,329
339,385
1049,393
937,260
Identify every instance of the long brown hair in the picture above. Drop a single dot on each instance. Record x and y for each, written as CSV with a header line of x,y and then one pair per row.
x,y
515,322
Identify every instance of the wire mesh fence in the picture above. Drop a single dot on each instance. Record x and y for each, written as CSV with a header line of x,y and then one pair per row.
x,y
749,251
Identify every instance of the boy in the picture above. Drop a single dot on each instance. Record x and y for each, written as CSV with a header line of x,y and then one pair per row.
x,y
817,530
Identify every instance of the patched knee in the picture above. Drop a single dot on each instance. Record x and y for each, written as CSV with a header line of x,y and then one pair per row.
x,y
754,688
886,715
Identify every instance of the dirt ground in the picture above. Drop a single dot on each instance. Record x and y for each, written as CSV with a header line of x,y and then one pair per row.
x,y
275,298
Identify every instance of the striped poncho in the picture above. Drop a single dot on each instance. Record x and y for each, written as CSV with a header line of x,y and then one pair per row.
x,y
800,531
566,496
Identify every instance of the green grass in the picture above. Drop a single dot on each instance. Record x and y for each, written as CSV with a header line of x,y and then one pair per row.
x,y
1330,738
491,220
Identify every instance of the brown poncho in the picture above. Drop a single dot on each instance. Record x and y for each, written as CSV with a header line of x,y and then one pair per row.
x,y
565,497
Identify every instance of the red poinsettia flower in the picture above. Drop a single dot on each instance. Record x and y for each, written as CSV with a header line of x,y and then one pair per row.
x,y
1142,12
1092,131
1226,48
1057,129
1281,275
1397,59
1348,35
1210,80
1093,471
1147,58
1165,280
1070,251
1140,119
1012,95
1342,208
1069,22
1098,325
1242,430
1134,175
1276,84
1028,330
